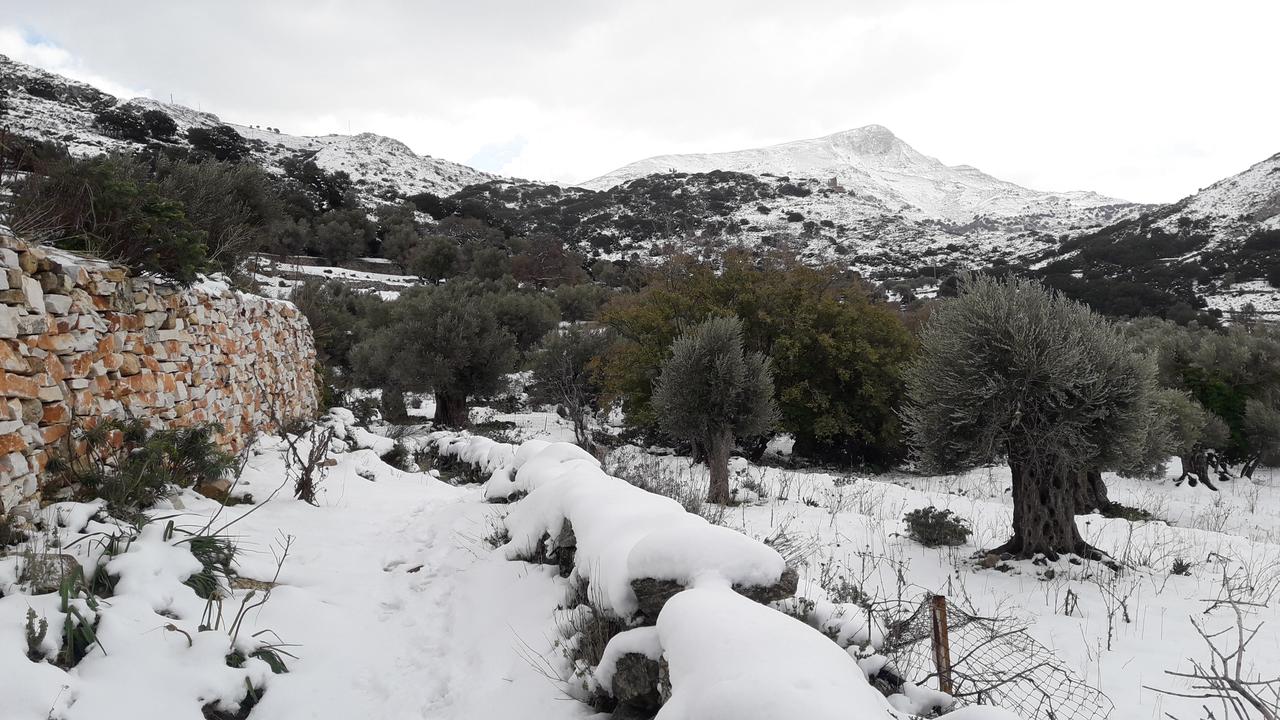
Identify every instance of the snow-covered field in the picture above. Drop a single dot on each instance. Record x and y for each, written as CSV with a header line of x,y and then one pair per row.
x,y
1264,299
393,603
279,279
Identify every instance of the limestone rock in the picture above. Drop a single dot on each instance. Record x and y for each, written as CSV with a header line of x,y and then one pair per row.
x,y
45,572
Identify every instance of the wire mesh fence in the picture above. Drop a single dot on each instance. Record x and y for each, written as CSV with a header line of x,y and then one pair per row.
x,y
988,661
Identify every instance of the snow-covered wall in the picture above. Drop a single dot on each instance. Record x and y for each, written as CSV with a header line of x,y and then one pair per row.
x,y
81,339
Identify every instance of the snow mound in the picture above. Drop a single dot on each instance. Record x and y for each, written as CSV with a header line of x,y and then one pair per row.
x,y
731,658
623,533
481,452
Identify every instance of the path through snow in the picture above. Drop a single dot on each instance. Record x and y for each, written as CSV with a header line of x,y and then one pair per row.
x,y
398,604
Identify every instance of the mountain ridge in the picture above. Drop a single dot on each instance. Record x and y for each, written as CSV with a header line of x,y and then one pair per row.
x,y
862,199
63,110
874,160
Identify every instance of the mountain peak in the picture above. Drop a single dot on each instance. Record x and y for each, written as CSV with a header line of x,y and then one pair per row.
x,y
867,140
873,162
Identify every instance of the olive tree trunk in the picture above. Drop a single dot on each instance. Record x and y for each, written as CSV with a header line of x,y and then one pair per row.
x,y
1044,513
718,446
392,405
1091,493
451,410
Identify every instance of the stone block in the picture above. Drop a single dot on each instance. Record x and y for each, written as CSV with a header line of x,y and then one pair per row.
x,y
17,386
57,304
34,295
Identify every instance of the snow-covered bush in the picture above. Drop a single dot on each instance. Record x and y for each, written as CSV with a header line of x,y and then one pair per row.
x,y
729,657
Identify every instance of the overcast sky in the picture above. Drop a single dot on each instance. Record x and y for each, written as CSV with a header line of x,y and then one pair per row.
x,y
1147,101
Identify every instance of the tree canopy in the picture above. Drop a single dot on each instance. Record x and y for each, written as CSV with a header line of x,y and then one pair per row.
x,y
837,356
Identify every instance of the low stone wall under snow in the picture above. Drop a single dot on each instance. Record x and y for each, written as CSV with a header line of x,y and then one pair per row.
x,y
82,339
704,641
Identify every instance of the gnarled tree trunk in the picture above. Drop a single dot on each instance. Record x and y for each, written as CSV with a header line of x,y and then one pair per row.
x,y
1091,493
451,410
718,446
1195,465
1044,512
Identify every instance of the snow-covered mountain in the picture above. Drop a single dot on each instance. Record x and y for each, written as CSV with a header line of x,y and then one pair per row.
x,y
873,161
861,199
1239,205
1217,249
40,104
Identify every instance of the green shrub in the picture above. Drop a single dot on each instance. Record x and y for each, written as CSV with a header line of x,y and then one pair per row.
x,y
41,88
122,124
932,527
111,206
159,125
837,356
581,302
220,142
400,458
132,469
1181,566
1126,512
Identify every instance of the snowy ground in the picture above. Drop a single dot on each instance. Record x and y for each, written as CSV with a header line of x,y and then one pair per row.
x,y
393,601
853,530
1264,299
278,279
396,606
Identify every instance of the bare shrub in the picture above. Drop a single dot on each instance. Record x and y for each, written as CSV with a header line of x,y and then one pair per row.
x,y
1225,676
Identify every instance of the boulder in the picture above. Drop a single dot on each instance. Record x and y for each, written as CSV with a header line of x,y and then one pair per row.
x,y
566,548
635,686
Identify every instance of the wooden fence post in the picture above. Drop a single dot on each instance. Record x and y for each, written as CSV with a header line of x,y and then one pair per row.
x,y
941,643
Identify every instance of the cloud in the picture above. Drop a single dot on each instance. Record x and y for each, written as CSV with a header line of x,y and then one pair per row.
x,y
497,156
1146,100
34,49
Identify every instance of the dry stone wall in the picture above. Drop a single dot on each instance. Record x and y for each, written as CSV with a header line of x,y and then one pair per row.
x,y
82,340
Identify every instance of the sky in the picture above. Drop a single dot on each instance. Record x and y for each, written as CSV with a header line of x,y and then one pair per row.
x,y
1142,100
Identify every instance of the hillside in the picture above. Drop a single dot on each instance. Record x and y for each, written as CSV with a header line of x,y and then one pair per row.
x,y
39,104
1218,248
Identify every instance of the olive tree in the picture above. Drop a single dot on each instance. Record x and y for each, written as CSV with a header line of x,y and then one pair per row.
x,y
439,340
1192,432
710,391
1009,370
